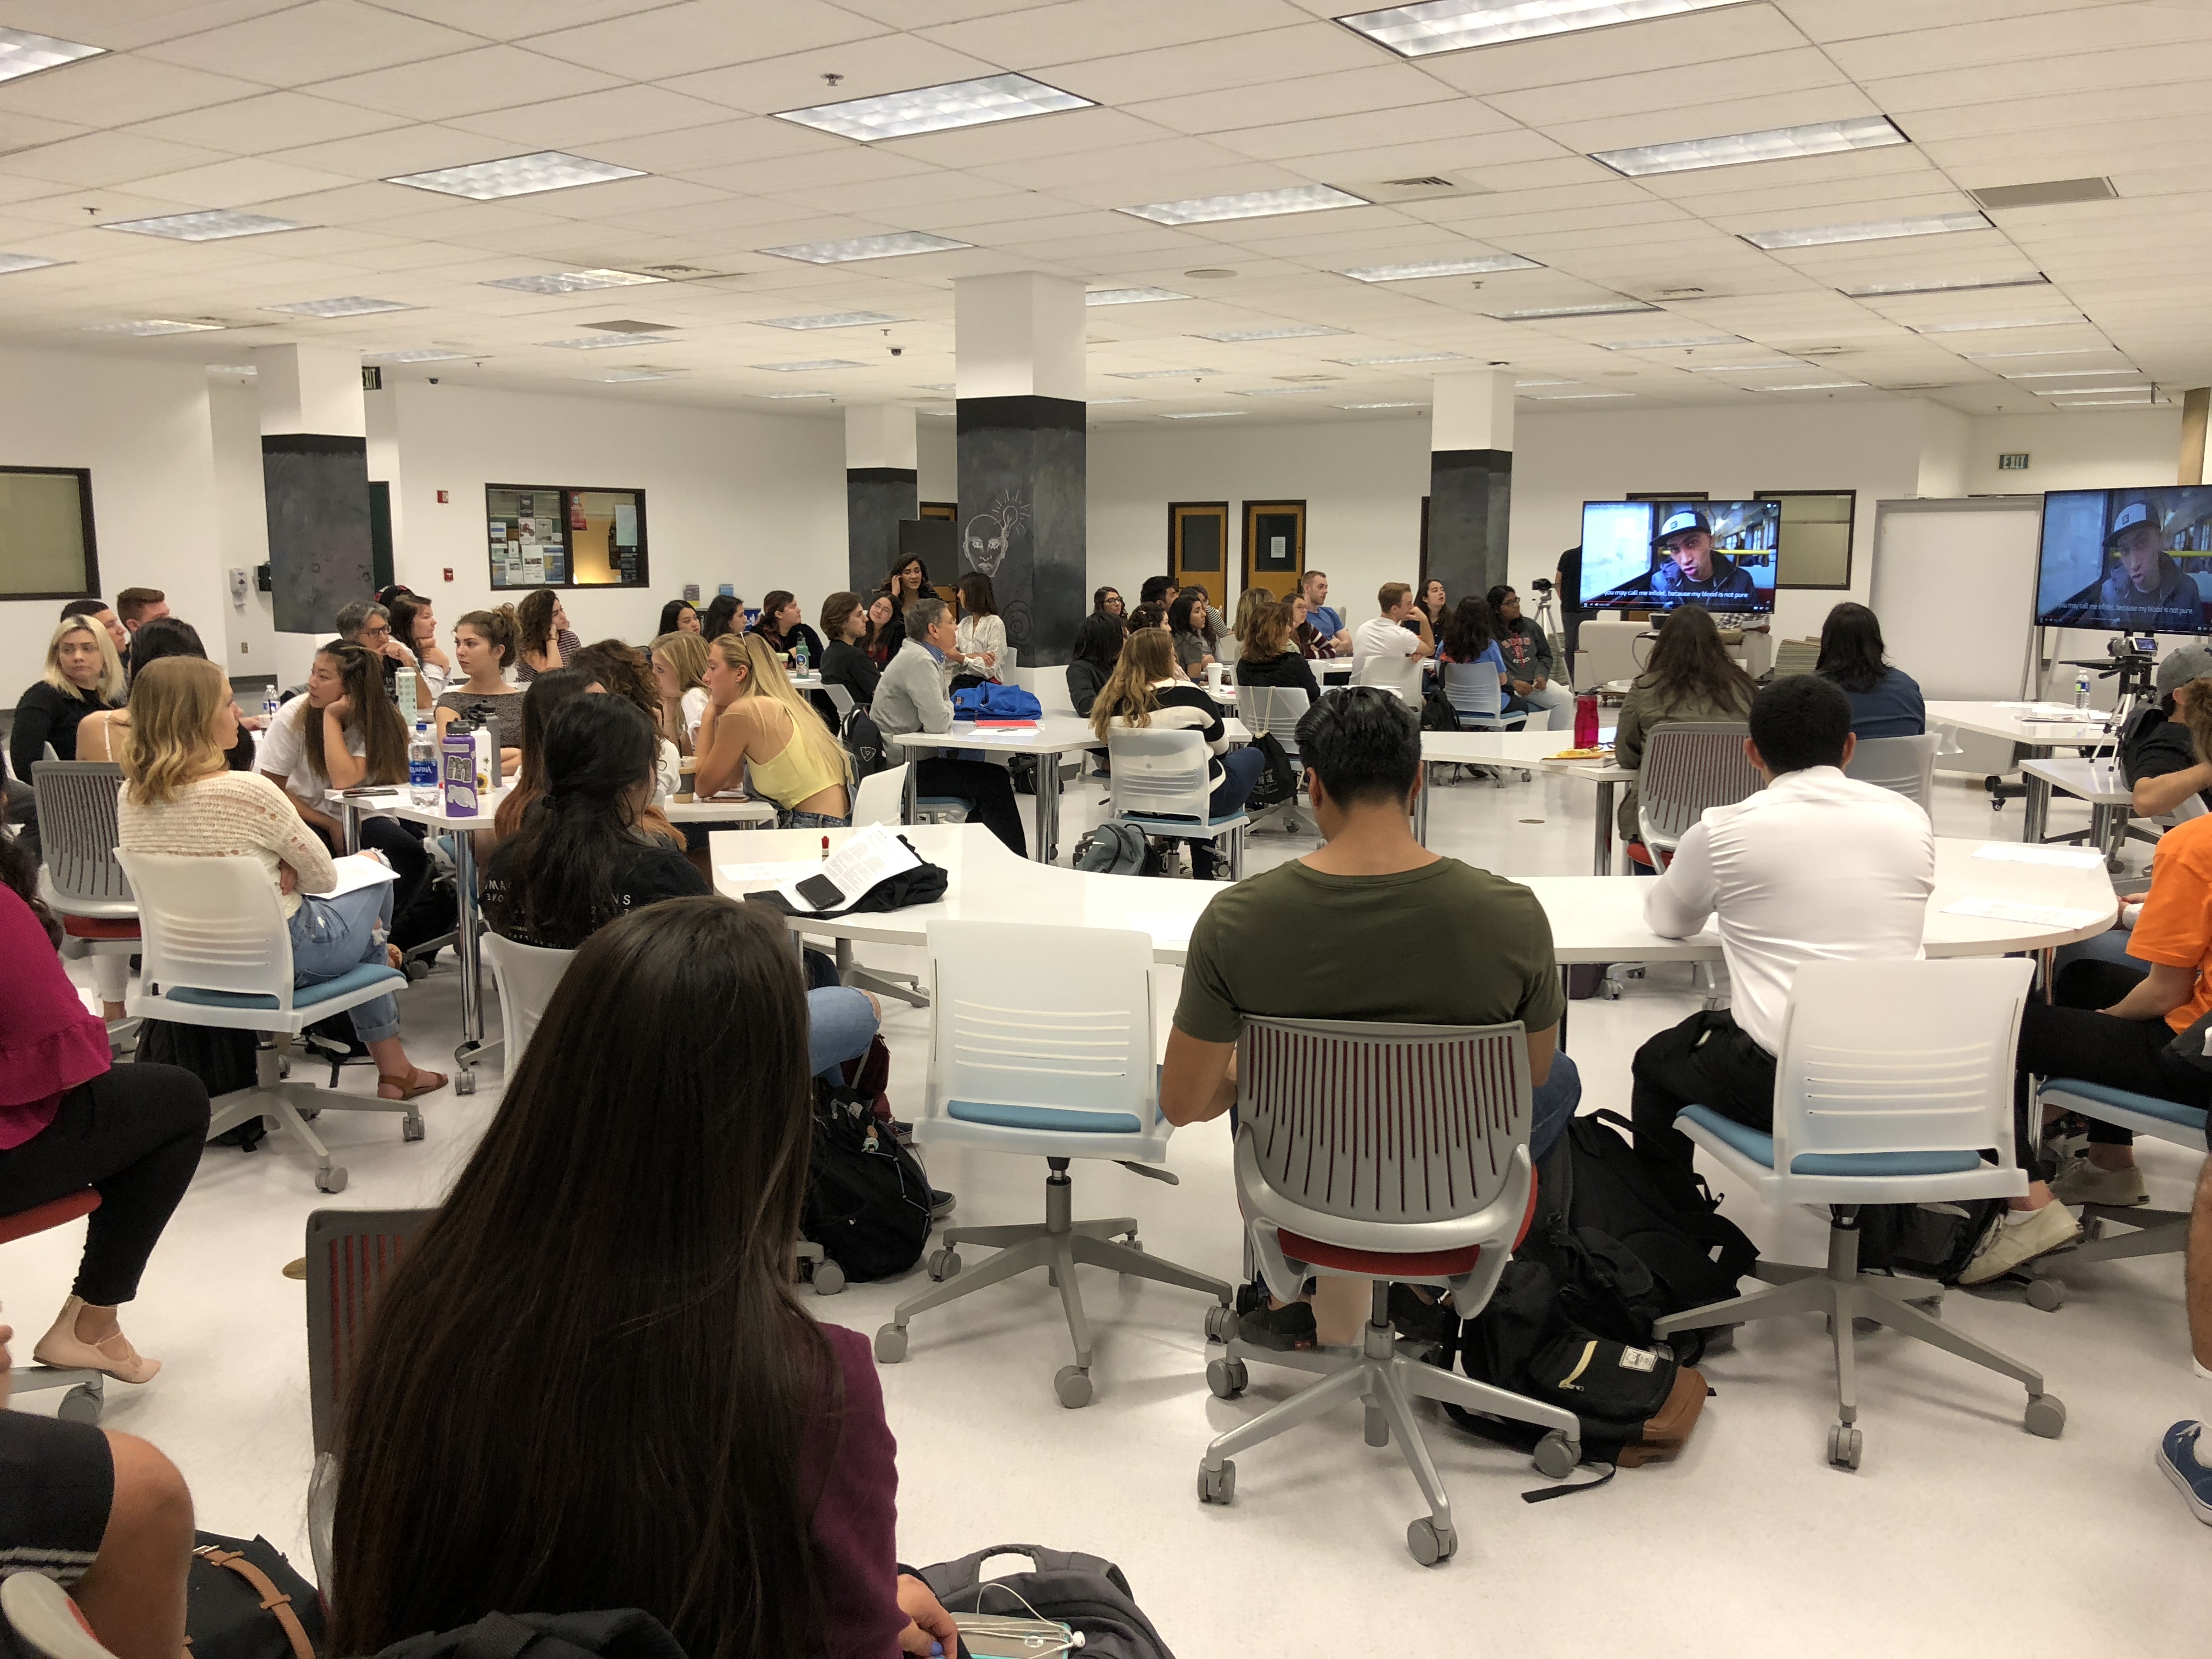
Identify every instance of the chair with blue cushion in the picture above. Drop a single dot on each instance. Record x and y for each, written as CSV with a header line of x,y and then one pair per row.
x,y
216,952
1043,1046
2152,1232
1893,1086
1163,785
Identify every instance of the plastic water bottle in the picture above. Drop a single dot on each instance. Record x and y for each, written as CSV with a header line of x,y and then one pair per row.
x,y
270,706
422,767
1586,722
799,654
2081,689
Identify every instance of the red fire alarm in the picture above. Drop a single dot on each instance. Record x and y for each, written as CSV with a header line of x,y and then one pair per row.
x,y
449,573
442,499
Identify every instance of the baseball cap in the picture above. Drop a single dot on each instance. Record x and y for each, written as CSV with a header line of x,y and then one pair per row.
x,y
2181,665
1681,519
2133,514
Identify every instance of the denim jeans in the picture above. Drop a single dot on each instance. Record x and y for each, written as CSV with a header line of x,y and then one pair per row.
x,y
1553,1106
790,818
330,936
840,1025
1240,774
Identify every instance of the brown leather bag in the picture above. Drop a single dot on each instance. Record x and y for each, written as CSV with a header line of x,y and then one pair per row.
x,y
1667,1431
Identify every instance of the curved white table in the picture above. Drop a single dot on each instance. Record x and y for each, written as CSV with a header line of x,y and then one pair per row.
x,y
2039,728
1532,751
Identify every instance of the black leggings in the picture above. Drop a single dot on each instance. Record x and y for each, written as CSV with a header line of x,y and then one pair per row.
x,y
987,789
134,1135
2069,1038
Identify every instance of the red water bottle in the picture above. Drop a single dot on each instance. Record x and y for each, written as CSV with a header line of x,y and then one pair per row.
x,y
1586,720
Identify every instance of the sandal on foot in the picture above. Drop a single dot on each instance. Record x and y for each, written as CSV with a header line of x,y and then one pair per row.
x,y
115,1357
409,1086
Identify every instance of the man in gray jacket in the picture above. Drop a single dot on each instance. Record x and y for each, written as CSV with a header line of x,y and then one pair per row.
x,y
910,697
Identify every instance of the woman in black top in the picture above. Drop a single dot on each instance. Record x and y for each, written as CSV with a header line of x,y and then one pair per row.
x,y
82,673
677,617
1107,602
908,581
1146,692
1097,648
845,661
1434,605
578,861
725,615
781,626
1270,658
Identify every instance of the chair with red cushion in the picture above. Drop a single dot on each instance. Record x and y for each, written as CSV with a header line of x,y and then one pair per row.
x,y
1398,1153
82,1403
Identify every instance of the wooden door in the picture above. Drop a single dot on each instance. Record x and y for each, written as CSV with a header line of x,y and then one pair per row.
x,y
1198,549
1275,546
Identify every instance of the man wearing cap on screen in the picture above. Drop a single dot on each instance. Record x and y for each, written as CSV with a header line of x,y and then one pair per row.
x,y
1690,566
2145,589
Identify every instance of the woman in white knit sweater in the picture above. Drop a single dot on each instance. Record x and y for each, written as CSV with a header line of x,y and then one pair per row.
x,y
180,796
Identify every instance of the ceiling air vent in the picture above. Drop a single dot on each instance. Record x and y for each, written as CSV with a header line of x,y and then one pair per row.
x,y
1814,351
2055,193
1421,188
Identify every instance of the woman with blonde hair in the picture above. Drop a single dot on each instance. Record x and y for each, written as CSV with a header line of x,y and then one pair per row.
x,y
180,796
755,717
679,671
1145,693
83,675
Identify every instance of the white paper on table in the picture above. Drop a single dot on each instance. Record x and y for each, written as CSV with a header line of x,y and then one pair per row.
x,y
2040,915
357,871
999,734
2069,858
768,875
871,855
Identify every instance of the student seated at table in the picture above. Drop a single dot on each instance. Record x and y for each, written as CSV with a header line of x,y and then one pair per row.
x,y
543,639
82,676
1386,636
1149,617
1197,646
1304,635
621,669
100,734
1688,678
483,646
677,617
415,625
1412,937
910,697
1471,640
723,1462
878,641
1885,701
1144,693
2158,756
782,624
179,796
1157,591
679,674
845,659
1107,602
979,641
70,1120
1527,654
1091,664
1269,656
1328,622
725,613
757,719
546,696
1816,866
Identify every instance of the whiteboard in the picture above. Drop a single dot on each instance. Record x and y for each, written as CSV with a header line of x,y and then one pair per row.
x,y
1954,587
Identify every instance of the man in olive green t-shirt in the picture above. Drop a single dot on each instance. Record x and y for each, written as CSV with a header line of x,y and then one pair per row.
x,y
1410,936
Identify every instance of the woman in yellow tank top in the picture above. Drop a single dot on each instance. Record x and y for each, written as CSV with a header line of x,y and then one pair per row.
x,y
757,719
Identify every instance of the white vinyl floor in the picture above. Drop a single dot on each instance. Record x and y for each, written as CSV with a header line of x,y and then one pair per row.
x,y
1961,1534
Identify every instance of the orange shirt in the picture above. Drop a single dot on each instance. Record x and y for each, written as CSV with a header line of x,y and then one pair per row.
x,y
2175,928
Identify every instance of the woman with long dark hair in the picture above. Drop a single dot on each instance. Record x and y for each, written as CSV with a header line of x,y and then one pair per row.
x,y
1097,648
544,698
1107,602
100,734
612,1277
906,581
677,617
782,624
1145,691
1434,605
1689,677
1196,641
543,639
1885,701
980,641
725,613
415,625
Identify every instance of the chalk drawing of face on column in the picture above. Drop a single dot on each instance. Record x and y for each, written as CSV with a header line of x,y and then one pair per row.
x,y
989,536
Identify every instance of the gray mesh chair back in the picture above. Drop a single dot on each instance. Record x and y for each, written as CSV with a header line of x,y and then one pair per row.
x,y
1795,657
1687,769
77,832
1907,765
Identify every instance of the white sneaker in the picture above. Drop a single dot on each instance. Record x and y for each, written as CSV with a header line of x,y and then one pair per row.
x,y
2080,1181
2010,1244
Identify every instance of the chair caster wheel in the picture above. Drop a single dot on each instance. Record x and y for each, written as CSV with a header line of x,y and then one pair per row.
x,y
1220,1323
1227,1378
2046,1416
1073,1384
891,1345
2046,1295
1557,1454
332,1180
465,1082
1377,1427
944,1264
1217,1485
1429,1543
829,1278
81,1404
1846,1445
410,1126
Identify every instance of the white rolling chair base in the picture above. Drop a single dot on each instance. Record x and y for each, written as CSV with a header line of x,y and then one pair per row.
x,y
283,1104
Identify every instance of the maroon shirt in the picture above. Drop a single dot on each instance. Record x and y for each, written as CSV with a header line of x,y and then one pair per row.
x,y
854,1469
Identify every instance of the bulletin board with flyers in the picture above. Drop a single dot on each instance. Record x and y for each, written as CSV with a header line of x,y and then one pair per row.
x,y
548,535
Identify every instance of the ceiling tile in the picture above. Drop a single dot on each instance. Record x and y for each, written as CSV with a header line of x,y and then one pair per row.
x,y
466,83
703,34
1130,77
885,62
1075,29
239,182
594,118
275,120
112,90
312,42
106,158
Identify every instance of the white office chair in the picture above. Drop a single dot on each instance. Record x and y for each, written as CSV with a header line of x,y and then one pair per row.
x,y
1398,1153
1399,674
1276,710
527,976
215,952
1043,1046
1609,652
880,797
1893,1082
878,800
840,699
1687,767
1160,783
2150,1232
1907,765
79,880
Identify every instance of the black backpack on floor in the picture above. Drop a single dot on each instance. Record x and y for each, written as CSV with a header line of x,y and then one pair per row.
x,y
626,1634
1925,1241
243,1601
1084,1592
867,1200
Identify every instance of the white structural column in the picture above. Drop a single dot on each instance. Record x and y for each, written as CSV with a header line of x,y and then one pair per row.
x,y
1470,478
315,475
882,488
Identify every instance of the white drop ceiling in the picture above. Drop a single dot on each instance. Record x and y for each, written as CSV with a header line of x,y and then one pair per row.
x,y
298,111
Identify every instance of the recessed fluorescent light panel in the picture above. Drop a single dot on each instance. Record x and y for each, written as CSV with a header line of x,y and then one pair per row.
x,y
12,262
868,247
232,368
1812,386
1275,391
617,376
415,354
1201,414
810,367
940,385
785,397
936,109
830,319
1734,368
2066,374
1671,343
1480,265
2084,390
1130,297
1161,374
1953,285
1391,357
1274,332
352,305
145,327
1520,384
1545,314
571,282
213,227
1735,149
1580,397
1865,230
516,175
2110,403
1457,24
603,342
24,53
2046,351
1252,204
1094,402
2002,322
1401,405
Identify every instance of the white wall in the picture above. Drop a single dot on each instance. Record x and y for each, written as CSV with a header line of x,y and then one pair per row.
x,y
241,524
937,471
142,428
2082,449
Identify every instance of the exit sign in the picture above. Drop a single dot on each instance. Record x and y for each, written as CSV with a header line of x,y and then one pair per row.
x,y
2013,462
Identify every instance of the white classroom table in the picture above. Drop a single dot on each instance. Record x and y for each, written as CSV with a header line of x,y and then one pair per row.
x,y
1532,751
2103,783
2029,725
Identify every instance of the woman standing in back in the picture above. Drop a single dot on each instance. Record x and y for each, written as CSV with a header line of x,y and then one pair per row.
x,y
1689,678
757,719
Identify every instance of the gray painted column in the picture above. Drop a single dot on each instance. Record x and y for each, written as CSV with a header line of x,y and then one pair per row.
x,y
1023,443
880,488
315,475
1471,480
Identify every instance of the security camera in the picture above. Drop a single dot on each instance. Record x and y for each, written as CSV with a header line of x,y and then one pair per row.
x,y
898,351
